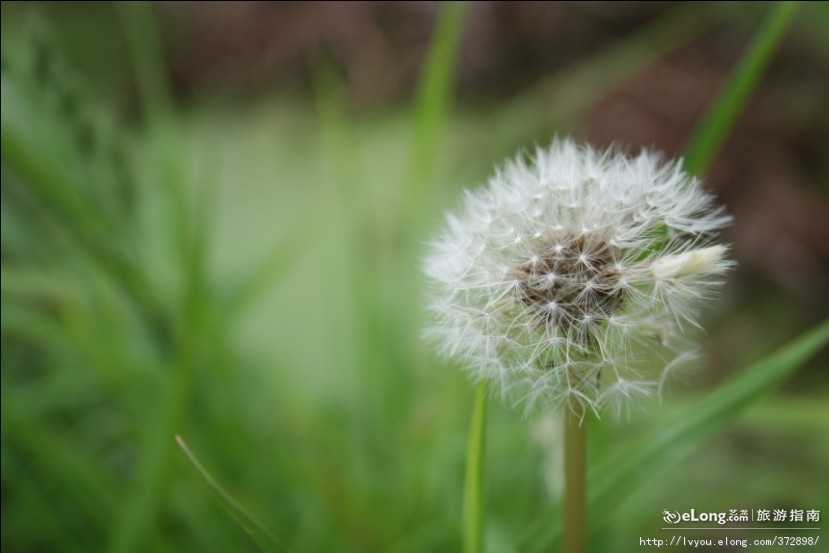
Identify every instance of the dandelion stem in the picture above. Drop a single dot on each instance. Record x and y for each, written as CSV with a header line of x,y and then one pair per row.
x,y
473,497
575,479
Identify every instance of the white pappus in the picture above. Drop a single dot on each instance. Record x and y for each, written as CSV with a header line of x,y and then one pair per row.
x,y
558,277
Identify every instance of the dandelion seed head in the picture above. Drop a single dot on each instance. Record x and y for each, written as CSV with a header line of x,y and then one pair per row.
x,y
550,277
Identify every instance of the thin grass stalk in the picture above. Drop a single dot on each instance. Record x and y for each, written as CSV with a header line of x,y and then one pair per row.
x,y
713,130
473,497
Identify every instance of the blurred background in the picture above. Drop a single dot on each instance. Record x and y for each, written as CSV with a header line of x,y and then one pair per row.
x,y
212,221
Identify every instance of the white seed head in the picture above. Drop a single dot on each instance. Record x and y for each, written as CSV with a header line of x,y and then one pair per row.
x,y
551,278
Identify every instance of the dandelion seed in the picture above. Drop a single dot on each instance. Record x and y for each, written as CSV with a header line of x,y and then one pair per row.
x,y
702,261
573,259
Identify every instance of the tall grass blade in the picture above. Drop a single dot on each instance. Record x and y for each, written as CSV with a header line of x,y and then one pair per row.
x,y
250,524
434,100
715,127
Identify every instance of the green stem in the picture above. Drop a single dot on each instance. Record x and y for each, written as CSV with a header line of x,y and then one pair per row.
x,y
575,480
473,497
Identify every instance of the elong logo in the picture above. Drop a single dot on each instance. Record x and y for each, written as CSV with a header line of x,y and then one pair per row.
x,y
671,517
675,517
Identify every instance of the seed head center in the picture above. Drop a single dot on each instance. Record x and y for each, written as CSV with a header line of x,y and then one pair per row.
x,y
568,280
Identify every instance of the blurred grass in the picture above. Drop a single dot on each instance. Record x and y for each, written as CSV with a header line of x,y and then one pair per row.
x,y
138,514
274,323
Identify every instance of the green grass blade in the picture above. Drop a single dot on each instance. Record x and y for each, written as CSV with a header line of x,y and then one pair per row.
x,y
615,480
147,55
715,127
473,495
434,99
255,529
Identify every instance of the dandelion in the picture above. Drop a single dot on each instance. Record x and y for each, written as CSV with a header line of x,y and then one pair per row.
x,y
555,279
